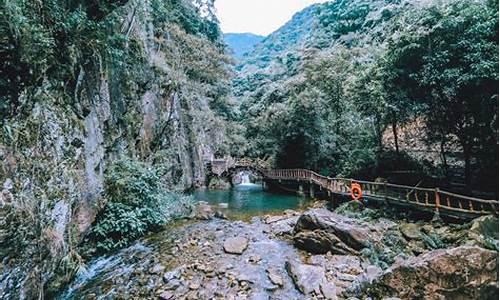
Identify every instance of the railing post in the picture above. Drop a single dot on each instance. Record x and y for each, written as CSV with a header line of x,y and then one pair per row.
x,y
438,200
437,205
385,194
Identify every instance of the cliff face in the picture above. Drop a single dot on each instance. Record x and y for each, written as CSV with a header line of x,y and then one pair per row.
x,y
159,97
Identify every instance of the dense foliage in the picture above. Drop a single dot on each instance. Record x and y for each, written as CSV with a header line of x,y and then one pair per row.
x,y
369,87
52,40
138,202
82,83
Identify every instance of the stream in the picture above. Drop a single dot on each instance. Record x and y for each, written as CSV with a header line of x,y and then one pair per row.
x,y
187,260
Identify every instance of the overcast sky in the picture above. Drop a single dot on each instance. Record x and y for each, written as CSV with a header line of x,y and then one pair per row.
x,y
257,16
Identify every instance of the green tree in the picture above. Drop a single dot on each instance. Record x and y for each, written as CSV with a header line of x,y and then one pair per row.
x,y
448,62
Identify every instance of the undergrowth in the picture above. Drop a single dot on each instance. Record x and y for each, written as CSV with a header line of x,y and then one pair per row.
x,y
137,203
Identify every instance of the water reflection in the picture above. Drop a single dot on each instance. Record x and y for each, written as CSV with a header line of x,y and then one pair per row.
x,y
251,199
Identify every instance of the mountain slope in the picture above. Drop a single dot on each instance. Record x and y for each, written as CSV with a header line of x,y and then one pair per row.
x,y
241,43
317,27
321,91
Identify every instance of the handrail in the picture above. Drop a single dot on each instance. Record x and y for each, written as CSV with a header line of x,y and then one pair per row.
x,y
434,198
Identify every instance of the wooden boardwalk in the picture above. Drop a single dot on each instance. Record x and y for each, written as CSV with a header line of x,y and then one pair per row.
x,y
429,199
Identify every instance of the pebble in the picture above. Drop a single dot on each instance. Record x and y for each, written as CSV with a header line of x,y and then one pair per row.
x,y
274,277
166,295
194,285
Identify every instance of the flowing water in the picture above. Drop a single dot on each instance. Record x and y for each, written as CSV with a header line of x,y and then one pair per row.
x,y
245,179
128,273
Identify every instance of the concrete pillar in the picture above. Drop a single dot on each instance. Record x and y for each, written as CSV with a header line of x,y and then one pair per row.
x,y
311,190
264,185
300,192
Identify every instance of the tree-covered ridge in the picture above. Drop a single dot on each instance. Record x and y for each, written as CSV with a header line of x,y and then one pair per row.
x,y
366,71
241,43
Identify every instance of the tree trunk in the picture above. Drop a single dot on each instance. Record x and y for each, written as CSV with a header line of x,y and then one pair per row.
x,y
443,159
467,170
395,132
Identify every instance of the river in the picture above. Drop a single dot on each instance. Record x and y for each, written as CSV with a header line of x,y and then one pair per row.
x,y
190,248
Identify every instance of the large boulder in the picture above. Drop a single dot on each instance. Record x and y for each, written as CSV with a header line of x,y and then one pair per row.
x,y
464,272
320,231
203,211
310,279
411,231
484,231
235,245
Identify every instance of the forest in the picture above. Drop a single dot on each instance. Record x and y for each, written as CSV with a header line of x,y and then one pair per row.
x,y
110,111
378,86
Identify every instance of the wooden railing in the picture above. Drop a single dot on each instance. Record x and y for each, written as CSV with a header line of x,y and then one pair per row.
x,y
434,199
426,198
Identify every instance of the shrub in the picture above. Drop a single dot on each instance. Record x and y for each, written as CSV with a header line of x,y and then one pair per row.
x,y
137,203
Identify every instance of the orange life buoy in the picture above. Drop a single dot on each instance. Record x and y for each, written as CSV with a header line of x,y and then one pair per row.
x,y
356,192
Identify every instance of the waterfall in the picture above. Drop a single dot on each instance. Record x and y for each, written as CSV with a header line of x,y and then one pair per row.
x,y
245,179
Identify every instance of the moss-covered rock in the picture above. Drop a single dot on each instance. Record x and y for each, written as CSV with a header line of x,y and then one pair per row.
x,y
460,273
218,183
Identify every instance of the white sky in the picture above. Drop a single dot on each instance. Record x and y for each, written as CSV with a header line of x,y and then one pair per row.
x,y
257,16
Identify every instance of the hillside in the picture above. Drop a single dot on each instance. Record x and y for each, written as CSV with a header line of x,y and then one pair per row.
x,y
302,87
241,43
318,27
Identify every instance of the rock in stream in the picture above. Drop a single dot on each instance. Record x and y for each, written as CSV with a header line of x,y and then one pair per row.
x,y
318,254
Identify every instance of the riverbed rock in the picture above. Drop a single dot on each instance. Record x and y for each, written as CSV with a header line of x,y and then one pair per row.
x,y
166,295
284,227
307,278
157,269
275,277
273,219
410,231
194,285
217,183
328,290
171,275
254,259
220,215
484,231
320,231
203,211
465,272
235,245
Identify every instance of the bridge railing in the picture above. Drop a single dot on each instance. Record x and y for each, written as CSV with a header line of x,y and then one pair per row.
x,y
429,198
433,199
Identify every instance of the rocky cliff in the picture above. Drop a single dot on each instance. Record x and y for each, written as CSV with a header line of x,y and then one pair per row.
x,y
154,90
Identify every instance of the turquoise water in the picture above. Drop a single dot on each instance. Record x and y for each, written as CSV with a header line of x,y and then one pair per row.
x,y
251,199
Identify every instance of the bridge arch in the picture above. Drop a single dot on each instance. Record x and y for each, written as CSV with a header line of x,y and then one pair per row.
x,y
227,168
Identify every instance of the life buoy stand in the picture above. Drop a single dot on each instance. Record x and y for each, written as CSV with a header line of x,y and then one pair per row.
x,y
356,192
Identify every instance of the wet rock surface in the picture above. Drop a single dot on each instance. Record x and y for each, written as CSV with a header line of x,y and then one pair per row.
x,y
459,273
321,231
316,254
307,278
197,265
